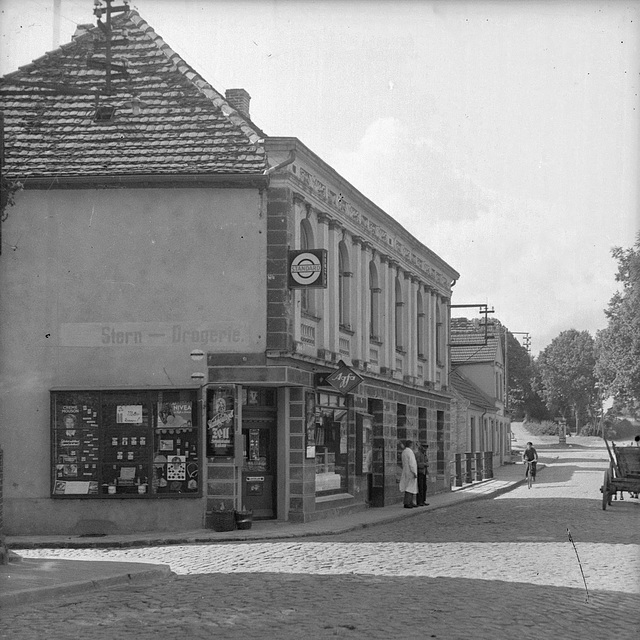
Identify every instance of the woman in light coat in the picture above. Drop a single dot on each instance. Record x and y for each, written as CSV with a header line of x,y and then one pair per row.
x,y
409,477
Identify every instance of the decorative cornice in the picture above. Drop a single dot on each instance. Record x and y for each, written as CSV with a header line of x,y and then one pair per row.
x,y
298,198
375,230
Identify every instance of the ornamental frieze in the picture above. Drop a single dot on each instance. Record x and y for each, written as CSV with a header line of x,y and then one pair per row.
x,y
338,202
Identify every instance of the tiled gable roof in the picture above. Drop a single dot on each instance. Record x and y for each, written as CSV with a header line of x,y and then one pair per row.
x,y
185,126
470,391
468,343
461,354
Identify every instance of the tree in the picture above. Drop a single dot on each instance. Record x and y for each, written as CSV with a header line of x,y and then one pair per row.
x,y
567,373
618,346
524,401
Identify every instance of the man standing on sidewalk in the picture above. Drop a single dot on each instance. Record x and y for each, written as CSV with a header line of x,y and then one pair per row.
x,y
409,477
421,461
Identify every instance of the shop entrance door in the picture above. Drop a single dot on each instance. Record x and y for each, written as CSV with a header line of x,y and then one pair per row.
x,y
259,466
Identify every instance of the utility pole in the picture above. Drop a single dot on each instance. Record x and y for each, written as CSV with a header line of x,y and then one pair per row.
x,y
107,63
56,23
483,309
526,340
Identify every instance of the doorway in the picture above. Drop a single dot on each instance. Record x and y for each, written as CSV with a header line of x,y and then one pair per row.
x,y
259,454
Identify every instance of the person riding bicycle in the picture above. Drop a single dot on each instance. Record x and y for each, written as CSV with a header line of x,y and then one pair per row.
x,y
530,455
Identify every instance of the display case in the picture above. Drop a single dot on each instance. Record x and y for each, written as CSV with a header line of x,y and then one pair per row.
x,y
125,443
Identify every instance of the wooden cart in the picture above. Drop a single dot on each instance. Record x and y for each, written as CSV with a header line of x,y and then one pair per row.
x,y
622,475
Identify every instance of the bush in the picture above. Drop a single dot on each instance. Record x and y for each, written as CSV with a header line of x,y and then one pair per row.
x,y
544,428
623,429
590,430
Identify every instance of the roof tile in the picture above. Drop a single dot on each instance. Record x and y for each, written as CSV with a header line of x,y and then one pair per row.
x,y
185,125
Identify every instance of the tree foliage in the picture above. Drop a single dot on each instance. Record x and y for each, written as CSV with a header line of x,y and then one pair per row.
x,y
524,401
618,346
567,374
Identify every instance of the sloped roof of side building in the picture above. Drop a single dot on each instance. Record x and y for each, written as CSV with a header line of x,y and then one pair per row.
x,y
184,126
471,392
472,342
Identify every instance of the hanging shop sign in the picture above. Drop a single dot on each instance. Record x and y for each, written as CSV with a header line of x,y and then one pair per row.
x,y
308,269
344,379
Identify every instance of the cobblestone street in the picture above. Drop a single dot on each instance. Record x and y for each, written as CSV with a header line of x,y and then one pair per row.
x,y
499,568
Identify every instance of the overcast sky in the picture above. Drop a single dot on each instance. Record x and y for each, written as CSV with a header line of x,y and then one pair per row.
x,y
503,135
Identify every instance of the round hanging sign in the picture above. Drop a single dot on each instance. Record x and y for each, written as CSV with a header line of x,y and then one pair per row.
x,y
306,268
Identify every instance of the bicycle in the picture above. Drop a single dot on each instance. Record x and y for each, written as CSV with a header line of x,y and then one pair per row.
x,y
528,473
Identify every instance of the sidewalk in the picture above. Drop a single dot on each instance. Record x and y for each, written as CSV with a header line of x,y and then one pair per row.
x,y
29,580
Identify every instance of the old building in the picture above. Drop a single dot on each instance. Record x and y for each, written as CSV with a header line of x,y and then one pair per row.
x,y
196,315
480,428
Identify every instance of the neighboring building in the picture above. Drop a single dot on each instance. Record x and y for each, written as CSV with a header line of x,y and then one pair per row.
x,y
158,360
478,377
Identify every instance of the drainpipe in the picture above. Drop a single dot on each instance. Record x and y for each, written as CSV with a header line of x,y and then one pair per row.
x,y
289,160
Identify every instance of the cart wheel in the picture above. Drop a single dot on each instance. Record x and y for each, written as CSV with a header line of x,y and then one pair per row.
x,y
606,491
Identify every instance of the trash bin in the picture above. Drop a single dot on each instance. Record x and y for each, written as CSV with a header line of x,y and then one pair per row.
x,y
244,519
223,520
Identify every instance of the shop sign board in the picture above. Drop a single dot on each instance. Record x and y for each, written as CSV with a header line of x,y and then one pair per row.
x,y
308,269
344,379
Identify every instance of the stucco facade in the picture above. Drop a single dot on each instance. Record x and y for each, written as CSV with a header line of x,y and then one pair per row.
x,y
112,289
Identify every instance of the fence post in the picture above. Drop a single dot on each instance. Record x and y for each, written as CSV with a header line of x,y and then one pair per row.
x,y
488,464
458,467
478,455
468,467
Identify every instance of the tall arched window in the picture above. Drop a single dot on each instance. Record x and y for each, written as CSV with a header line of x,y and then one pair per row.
x,y
439,334
399,315
306,242
344,276
420,326
374,302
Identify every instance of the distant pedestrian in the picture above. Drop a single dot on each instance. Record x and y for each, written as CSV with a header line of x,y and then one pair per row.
x,y
637,441
409,477
530,455
423,469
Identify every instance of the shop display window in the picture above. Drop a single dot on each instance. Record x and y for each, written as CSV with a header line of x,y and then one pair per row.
x,y
127,444
331,444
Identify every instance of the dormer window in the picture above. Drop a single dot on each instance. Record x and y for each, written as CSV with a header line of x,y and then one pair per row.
x,y
104,113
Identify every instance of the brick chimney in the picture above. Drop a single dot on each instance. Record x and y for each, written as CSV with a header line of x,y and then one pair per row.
x,y
239,99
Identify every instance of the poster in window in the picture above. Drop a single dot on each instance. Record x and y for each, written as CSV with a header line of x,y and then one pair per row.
x,y
63,488
69,419
343,436
174,415
75,439
310,424
221,421
129,414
